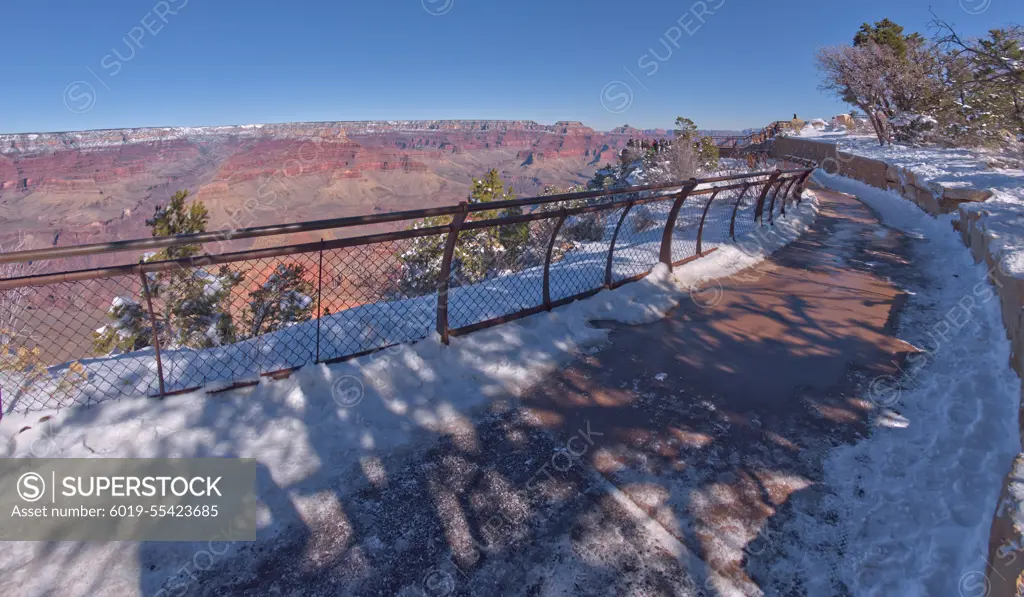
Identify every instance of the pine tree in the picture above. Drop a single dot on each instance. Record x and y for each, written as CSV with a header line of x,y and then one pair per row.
x,y
177,219
196,302
197,310
197,307
884,33
130,330
479,254
489,251
706,151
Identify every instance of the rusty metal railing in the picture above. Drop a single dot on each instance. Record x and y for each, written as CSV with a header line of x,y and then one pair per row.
x,y
224,320
732,142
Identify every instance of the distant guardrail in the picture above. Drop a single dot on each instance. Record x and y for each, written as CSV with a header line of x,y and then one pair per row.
x,y
230,318
739,142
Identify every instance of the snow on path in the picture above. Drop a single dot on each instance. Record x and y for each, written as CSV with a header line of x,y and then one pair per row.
x,y
326,427
907,511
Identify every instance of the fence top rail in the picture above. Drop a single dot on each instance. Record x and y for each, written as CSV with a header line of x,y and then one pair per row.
x,y
148,244
135,269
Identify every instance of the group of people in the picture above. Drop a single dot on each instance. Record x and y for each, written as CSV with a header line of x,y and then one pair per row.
x,y
648,145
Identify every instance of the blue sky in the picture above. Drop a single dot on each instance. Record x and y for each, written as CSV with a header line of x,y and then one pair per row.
x,y
73,65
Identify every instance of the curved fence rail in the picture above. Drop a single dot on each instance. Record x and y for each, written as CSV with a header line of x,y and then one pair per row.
x,y
163,327
732,143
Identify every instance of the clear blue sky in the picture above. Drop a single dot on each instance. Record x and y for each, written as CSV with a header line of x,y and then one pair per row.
x,y
73,64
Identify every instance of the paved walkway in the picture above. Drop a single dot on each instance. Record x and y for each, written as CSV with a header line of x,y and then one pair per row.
x,y
657,466
715,415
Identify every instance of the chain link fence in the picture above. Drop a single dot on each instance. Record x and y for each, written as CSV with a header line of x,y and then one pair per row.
x,y
219,321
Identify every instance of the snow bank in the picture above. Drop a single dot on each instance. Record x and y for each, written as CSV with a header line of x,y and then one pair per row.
x,y
809,131
353,412
1002,215
907,511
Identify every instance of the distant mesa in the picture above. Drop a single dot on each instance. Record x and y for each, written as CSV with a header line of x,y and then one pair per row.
x,y
33,143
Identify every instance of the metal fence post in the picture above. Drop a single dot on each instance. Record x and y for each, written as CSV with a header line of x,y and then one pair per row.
x,y
775,196
800,187
759,210
782,210
319,298
152,322
611,247
670,223
700,230
547,259
735,210
446,269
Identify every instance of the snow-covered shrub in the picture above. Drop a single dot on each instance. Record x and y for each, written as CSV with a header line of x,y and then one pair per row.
x,y
14,301
20,357
130,328
25,366
611,176
913,128
285,299
587,227
421,262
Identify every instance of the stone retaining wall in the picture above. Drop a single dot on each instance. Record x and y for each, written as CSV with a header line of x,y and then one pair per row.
x,y
1005,572
929,196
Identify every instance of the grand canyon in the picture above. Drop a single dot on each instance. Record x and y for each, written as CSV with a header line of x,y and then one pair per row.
x,y
59,189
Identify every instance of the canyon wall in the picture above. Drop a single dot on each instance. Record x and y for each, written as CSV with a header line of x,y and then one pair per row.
x,y
64,188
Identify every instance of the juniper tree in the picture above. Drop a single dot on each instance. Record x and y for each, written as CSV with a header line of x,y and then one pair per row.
x,y
859,76
952,89
885,73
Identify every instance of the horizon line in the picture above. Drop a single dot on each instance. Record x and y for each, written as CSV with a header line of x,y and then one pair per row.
x,y
262,124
